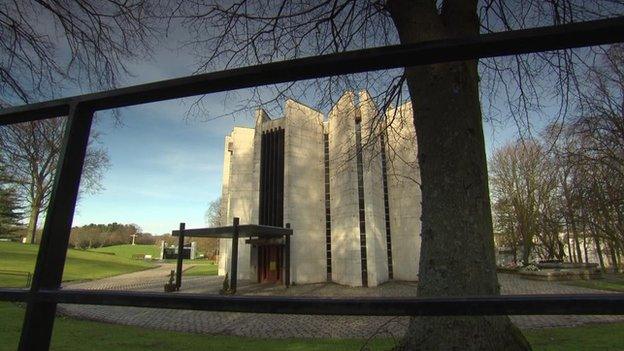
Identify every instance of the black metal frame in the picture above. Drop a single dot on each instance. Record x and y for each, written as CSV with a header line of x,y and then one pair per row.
x,y
44,293
27,275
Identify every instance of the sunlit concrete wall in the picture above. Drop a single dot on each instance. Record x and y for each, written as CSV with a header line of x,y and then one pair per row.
x,y
345,232
303,188
404,192
240,196
376,249
304,191
224,244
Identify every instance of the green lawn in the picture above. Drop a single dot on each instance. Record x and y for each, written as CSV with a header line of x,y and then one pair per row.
x,y
589,337
202,267
610,282
80,265
128,250
70,334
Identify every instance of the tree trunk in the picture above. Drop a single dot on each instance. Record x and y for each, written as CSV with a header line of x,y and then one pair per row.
x,y
35,209
577,248
585,246
614,259
598,248
457,250
527,247
569,244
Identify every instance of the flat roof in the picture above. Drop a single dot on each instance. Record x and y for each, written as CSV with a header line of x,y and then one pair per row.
x,y
244,230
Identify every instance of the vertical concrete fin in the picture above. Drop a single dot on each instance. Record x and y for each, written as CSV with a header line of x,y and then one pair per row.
x,y
403,177
295,110
261,117
345,106
371,119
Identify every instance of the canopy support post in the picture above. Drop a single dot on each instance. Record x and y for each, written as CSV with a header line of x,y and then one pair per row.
x,y
234,257
180,257
287,258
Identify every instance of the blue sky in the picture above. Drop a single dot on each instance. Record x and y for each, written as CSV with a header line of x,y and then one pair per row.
x,y
165,166
164,169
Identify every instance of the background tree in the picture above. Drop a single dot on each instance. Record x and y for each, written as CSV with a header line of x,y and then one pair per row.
x,y
10,212
30,153
213,218
214,214
580,214
99,235
48,45
524,185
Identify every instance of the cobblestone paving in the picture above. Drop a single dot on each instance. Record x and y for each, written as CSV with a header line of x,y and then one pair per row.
x,y
146,279
288,326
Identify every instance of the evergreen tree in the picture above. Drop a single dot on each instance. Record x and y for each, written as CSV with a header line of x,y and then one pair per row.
x,y
10,212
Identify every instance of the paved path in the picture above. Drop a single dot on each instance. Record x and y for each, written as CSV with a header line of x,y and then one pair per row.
x,y
146,279
288,326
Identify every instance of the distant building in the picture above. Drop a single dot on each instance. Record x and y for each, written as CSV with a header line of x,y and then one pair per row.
x,y
355,215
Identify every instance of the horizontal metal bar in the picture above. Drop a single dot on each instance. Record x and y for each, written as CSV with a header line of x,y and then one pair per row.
x,y
13,294
487,45
8,272
585,304
245,230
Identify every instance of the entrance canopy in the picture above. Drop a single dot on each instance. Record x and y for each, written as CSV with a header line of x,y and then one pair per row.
x,y
244,231
235,231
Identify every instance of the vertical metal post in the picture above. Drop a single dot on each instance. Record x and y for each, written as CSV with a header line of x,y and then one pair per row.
x,y
287,258
39,316
180,257
234,258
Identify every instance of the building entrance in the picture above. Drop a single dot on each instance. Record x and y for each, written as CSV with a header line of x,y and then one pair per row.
x,y
270,263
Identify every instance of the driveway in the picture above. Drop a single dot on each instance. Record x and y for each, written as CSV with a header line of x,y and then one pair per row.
x,y
292,326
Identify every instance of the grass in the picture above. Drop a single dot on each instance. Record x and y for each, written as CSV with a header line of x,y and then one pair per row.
x,y
610,282
589,337
79,265
128,250
71,334
202,267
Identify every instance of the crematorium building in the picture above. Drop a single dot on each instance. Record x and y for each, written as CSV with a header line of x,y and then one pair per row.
x,y
347,185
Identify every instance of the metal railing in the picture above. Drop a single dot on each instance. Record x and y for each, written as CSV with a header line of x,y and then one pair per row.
x,y
12,273
45,292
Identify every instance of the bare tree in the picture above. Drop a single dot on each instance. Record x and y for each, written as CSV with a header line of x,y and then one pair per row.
x,y
46,45
214,214
526,201
581,206
30,152
598,158
213,218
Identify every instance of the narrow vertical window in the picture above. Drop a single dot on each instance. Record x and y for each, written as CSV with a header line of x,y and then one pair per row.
x,y
327,208
272,178
384,176
362,213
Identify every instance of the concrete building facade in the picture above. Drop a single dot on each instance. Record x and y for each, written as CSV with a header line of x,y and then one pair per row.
x,y
348,186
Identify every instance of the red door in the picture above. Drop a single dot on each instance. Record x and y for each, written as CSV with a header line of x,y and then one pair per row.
x,y
269,263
